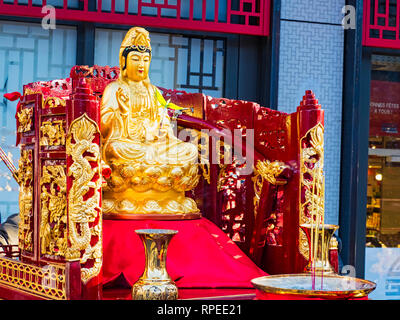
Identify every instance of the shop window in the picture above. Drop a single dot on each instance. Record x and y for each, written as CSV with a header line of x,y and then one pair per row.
x,y
188,63
383,192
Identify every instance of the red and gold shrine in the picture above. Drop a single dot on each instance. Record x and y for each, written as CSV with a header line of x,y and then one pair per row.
x,y
105,152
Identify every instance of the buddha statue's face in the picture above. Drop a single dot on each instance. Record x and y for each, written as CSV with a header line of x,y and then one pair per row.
x,y
137,66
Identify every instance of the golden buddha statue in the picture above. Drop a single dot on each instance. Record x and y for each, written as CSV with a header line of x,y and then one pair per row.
x,y
150,167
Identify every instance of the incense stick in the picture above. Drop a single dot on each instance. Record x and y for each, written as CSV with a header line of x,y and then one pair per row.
x,y
9,164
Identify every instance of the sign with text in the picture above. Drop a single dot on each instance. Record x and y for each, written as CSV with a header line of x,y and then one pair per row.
x,y
384,108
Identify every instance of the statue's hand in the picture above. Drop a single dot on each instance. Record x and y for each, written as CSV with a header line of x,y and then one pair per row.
x,y
122,100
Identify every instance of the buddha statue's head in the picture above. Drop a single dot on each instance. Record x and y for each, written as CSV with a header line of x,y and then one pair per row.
x,y
135,55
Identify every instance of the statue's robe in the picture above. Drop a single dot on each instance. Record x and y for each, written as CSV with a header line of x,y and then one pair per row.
x,y
144,133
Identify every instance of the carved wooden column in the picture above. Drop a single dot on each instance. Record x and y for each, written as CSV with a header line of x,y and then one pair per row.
x,y
84,187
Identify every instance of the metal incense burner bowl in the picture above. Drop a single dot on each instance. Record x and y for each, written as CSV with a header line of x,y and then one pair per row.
x,y
308,286
319,280
155,282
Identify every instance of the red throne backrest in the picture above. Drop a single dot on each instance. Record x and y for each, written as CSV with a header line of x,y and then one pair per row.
x,y
270,235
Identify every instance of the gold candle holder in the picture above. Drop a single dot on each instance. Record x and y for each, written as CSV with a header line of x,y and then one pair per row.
x,y
155,282
321,262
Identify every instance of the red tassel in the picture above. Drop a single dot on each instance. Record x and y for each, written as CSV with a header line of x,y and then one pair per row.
x,y
12,96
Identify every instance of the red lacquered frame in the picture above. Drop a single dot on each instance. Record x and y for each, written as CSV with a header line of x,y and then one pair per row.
x,y
377,21
253,15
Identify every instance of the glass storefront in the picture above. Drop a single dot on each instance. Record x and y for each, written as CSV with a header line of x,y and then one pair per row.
x,y
383,192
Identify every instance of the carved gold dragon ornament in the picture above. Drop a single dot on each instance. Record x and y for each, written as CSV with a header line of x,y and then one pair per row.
x,y
269,171
84,212
24,177
53,235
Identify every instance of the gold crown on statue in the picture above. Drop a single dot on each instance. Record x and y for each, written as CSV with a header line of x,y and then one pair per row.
x,y
136,39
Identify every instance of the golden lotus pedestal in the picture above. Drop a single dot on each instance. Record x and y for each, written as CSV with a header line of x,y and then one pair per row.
x,y
152,216
155,282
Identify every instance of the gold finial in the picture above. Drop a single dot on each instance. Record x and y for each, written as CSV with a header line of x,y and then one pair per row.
x,y
333,244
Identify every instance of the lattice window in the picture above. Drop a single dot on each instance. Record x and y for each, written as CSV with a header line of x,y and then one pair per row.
x,y
232,16
192,64
381,23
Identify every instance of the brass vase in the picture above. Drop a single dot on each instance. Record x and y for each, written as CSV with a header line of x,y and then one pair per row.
x,y
321,263
155,282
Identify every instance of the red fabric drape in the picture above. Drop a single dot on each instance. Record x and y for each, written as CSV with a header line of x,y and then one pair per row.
x,y
200,255
334,260
12,96
266,296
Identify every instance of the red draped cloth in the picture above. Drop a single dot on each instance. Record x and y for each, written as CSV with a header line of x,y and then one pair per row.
x,y
200,255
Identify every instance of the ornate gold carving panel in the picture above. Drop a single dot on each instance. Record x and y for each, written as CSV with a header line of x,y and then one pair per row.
x,y
53,102
84,209
25,119
311,181
52,133
53,215
47,281
265,170
25,178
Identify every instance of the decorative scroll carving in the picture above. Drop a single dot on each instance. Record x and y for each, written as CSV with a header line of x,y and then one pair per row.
x,y
25,119
231,184
105,72
221,176
48,281
205,168
53,223
269,171
54,88
53,102
84,208
311,181
25,178
29,91
52,133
